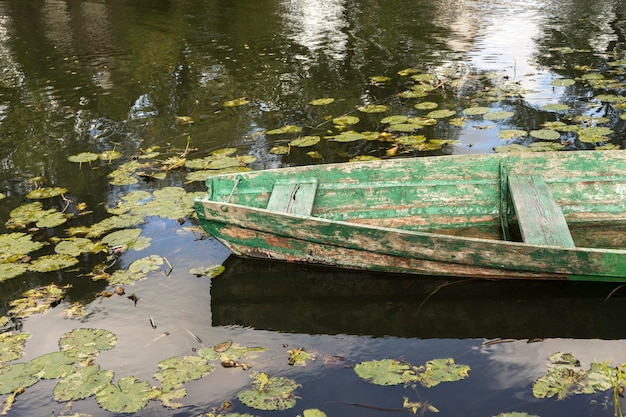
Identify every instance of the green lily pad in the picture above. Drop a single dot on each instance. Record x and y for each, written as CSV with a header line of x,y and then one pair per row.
x,y
373,108
124,237
52,219
37,300
231,162
83,342
321,101
512,148
227,350
346,120
46,192
74,246
236,102
475,111
562,82
280,150
498,115
146,264
129,396
55,365
33,212
379,79
541,146
412,140
10,270
555,107
19,375
305,141
441,114
350,136
545,134
511,134
12,346
384,372
110,155
426,105
209,271
413,94
3,196
83,157
405,127
177,370
393,120
269,393
54,262
16,245
441,370
83,383
284,130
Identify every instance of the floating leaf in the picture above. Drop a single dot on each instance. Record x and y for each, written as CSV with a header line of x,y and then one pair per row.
x,y
2,196
298,357
83,383
110,155
511,133
515,414
55,365
10,270
52,219
19,375
350,136
511,148
305,141
555,107
16,245
541,146
346,120
83,157
321,101
413,94
379,80
280,150
441,370
373,108
236,102
209,271
314,155
55,262
12,346
46,192
124,237
384,372
406,127
37,300
392,120
129,396
441,114
76,310
562,82
178,370
426,105
284,130
545,134
408,71
498,115
74,246
269,393
83,342
475,111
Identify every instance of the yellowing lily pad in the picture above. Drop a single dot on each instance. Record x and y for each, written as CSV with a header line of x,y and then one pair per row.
x,y
177,370
346,120
305,141
321,101
284,130
498,115
555,107
511,134
474,111
426,105
12,346
441,114
46,192
210,271
373,108
236,102
545,134
350,136
54,262
562,82
269,393
280,150
83,157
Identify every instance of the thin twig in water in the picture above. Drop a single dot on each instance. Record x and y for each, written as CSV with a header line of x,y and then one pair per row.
x,y
612,292
440,287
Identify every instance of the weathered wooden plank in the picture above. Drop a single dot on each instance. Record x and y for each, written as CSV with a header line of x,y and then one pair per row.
x,y
539,217
293,198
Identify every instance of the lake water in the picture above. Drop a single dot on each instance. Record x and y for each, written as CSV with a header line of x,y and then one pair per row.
x,y
142,77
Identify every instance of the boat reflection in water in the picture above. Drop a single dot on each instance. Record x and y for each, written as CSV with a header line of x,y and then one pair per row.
x,y
312,300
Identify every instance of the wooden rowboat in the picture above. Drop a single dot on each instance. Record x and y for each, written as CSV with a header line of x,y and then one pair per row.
x,y
558,215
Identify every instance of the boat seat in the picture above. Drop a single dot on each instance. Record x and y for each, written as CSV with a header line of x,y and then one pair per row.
x,y
539,216
293,197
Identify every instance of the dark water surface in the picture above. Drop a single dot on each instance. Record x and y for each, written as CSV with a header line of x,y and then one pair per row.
x,y
92,76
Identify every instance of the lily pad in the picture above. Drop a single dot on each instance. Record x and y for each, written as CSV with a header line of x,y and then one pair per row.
x,y
562,82
498,115
19,375
10,270
54,262
321,101
236,102
305,141
178,370
555,107
441,114
426,105
12,346
83,383
511,134
373,108
209,271
545,134
392,120
269,393
475,111
129,396
350,136
83,157
110,155
299,357
280,150
55,365
384,372
82,343
284,130
441,370
74,246
346,120
46,192
37,300
511,148
17,244
379,80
